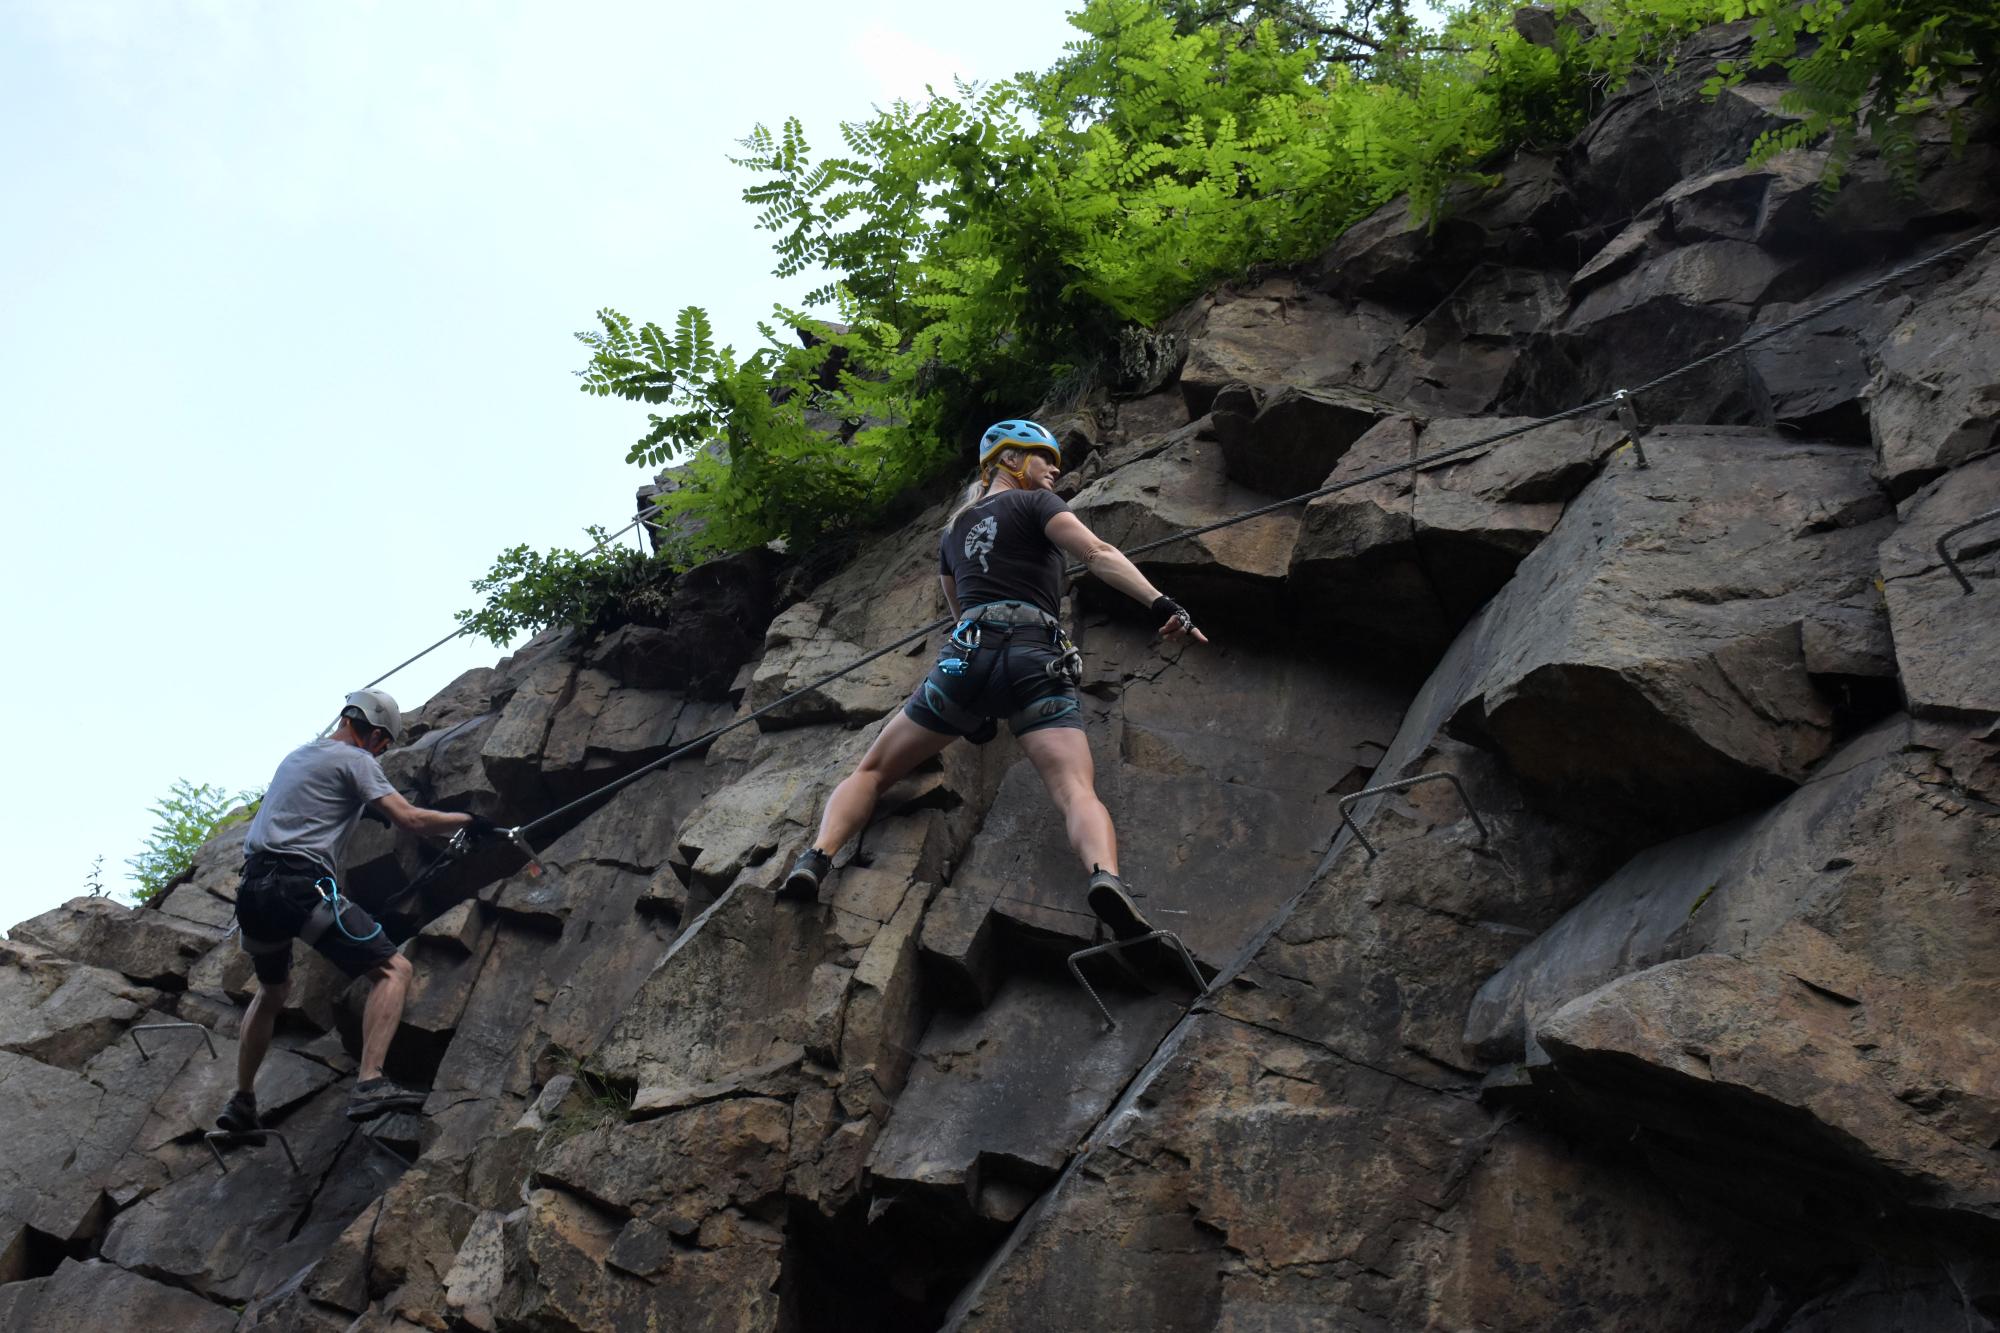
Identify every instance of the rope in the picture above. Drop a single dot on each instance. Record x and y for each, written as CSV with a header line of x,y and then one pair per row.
x,y
644,514
463,630
1411,465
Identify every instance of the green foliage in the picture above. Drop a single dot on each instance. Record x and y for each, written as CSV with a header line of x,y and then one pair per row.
x,y
185,818
528,590
992,240
593,1101
93,883
1869,65
995,241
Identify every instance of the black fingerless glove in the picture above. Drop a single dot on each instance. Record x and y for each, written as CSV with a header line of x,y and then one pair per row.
x,y
481,827
1164,605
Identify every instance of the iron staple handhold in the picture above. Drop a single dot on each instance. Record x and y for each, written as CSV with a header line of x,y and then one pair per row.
x,y
1944,551
208,1040
1118,947
1348,802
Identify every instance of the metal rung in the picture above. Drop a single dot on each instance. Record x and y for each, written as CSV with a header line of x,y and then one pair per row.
x,y
1347,804
165,1027
1945,554
1635,430
1116,947
215,1136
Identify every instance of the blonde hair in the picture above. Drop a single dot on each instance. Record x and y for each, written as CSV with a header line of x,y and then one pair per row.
x,y
1010,458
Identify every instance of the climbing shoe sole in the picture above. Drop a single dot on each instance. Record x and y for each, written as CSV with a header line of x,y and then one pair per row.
x,y
1117,911
368,1103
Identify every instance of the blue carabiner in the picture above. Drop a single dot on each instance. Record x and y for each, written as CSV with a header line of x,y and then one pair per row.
x,y
329,892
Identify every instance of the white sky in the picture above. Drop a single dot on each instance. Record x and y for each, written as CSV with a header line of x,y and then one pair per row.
x,y
286,297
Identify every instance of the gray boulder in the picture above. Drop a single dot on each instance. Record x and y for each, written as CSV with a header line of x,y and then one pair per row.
x,y
151,947
93,1296
1934,400
1946,640
1654,658
1407,559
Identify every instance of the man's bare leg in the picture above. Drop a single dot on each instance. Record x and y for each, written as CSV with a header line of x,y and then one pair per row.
x,y
383,1014
259,1022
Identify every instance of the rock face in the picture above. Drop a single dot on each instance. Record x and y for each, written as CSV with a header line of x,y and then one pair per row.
x,y
1673,953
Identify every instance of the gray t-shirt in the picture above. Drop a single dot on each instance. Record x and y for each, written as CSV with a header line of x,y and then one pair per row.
x,y
315,800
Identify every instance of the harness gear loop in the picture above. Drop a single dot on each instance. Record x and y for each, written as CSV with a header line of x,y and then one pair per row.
x,y
1067,665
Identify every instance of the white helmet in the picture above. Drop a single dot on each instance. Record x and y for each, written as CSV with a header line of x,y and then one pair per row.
x,y
378,710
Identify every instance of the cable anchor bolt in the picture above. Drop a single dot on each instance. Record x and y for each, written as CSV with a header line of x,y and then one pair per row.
x,y
1635,430
534,869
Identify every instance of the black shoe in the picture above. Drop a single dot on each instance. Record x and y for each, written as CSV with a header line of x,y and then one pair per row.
x,y
802,885
240,1116
1114,907
378,1097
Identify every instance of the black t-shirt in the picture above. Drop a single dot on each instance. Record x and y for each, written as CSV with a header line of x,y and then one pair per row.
x,y
997,551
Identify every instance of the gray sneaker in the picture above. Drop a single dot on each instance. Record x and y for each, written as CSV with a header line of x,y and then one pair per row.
x,y
1114,907
802,885
378,1097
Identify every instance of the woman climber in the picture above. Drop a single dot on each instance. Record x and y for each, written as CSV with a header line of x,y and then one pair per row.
x,y
1000,561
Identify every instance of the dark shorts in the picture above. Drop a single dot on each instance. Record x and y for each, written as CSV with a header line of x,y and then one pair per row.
x,y
279,901
966,692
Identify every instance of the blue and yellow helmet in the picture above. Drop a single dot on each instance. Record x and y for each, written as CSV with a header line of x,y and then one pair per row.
x,y
1018,433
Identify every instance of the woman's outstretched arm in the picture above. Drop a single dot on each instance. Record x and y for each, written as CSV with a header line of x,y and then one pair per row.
x,y
1110,565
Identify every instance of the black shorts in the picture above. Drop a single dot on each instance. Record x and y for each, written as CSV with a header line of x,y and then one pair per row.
x,y
1018,679
280,899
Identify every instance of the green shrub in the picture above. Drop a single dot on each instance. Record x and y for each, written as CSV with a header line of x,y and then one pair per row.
x,y
185,818
528,590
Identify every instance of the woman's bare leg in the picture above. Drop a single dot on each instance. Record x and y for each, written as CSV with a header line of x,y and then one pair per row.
x,y
1062,756
901,747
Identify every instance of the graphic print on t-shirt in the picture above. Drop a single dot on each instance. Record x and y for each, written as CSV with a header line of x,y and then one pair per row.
x,y
979,540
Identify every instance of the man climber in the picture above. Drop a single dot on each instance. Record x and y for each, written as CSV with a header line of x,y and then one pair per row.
x,y
290,890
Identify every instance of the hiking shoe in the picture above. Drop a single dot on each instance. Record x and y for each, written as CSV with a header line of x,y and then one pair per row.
x,y
378,1097
802,885
1114,907
240,1115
